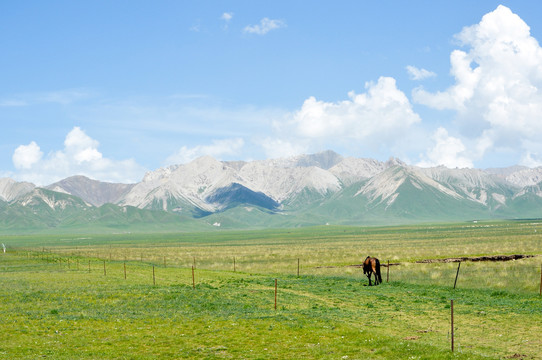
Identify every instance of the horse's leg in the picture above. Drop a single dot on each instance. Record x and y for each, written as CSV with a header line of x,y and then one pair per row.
x,y
374,272
378,273
369,276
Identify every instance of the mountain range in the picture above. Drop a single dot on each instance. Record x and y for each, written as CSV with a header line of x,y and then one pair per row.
x,y
315,189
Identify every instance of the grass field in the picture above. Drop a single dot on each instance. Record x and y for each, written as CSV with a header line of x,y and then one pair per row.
x,y
66,297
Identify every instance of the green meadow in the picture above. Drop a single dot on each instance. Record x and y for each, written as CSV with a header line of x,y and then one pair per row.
x,y
212,295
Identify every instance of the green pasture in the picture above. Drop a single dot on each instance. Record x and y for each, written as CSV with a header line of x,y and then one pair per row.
x,y
135,296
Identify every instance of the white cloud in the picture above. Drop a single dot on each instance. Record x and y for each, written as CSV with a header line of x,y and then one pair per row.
x,y
379,122
265,26
217,149
458,95
419,74
531,160
498,84
81,147
383,111
80,156
227,16
448,151
27,155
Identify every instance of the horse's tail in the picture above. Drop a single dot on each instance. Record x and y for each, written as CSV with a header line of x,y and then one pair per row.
x,y
378,276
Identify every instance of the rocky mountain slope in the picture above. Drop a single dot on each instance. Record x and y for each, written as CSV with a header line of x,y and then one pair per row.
x,y
10,189
303,190
94,192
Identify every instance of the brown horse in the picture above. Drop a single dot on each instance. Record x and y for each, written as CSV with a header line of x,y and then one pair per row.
x,y
371,265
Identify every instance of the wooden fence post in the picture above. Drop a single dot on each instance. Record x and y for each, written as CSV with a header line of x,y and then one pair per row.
x,y
457,274
104,269
452,321
540,279
193,279
125,270
234,264
275,294
388,274
153,278
297,267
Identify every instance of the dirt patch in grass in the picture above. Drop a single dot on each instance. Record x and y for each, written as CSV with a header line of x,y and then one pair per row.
x,y
447,260
517,356
478,258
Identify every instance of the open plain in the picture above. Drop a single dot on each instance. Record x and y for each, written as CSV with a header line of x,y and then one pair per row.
x,y
212,295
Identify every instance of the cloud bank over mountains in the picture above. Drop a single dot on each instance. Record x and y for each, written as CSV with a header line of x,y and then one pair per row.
x,y
495,98
80,156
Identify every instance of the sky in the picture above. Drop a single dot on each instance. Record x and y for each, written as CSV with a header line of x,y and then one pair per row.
x,y
114,89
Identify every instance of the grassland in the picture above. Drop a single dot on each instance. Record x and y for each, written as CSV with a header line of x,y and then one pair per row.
x,y
66,297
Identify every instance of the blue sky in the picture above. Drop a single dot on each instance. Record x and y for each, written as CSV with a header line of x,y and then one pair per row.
x,y
112,89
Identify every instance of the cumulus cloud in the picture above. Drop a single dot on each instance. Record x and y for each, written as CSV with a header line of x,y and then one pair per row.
x,y
265,26
382,111
27,155
377,122
447,150
80,156
497,92
217,149
419,74
81,147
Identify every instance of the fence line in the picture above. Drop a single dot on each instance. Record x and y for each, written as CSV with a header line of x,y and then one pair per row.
x,y
59,257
